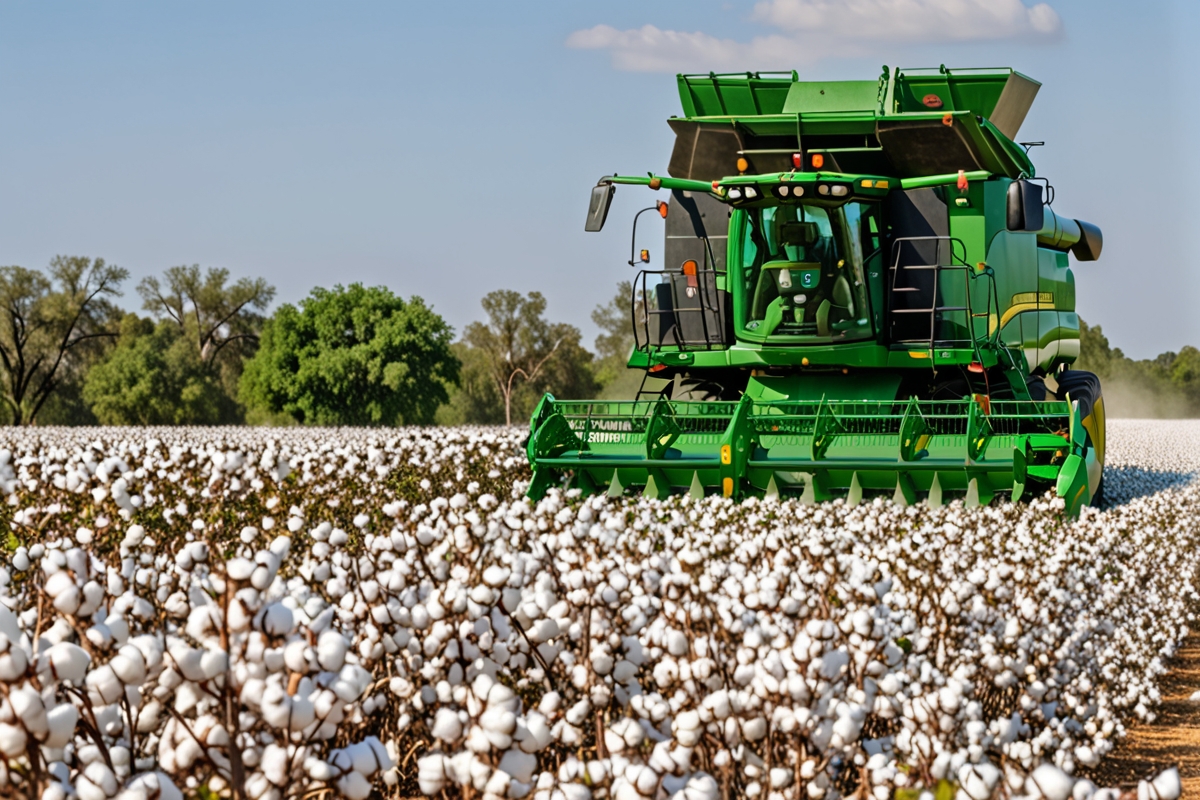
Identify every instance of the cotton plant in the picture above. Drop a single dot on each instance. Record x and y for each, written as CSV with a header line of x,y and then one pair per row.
x,y
273,614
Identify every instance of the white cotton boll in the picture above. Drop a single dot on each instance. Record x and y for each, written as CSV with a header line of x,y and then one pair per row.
x,y
12,740
13,660
496,575
259,788
354,786
431,773
447,726
60,722
28,707
99,635
537,734
295,656
502,698
331,651
276,707
700,786
99,775
57,791
105,684
687,728
1167,785
676,642
213,663
274,764
239,569
1050,782
498,720
155,784
129,665
278,620
602,663
780,777
319,770
542,631
303,714
519,765
58,583
20,560
754,729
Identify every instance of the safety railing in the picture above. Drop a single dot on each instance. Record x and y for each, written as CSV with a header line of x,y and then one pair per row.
x,y
937,311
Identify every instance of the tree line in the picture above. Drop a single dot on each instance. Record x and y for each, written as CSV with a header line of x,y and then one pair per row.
x,y
204,351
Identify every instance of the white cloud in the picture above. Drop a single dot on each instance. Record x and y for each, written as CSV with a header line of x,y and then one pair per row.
x,y
809,30
917,21
651,49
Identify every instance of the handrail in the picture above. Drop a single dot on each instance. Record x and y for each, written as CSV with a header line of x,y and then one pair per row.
x,y
968,310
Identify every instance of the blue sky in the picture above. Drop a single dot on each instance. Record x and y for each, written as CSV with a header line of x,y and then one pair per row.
x,y
446,150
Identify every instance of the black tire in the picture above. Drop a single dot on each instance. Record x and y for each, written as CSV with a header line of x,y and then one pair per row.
x,y
699,390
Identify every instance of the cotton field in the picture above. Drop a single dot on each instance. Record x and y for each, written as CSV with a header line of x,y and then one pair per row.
x,y
274,614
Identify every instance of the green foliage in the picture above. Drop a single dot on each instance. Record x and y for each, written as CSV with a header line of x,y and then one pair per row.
x,y
155,377
515,357
222,320
475,401
1166,386
613,346
52,327
352,356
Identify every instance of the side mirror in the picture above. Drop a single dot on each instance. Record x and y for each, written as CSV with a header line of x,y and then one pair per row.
x,y
1025,211
602,195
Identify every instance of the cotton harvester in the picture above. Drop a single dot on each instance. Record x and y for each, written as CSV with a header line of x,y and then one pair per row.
x,y
865,290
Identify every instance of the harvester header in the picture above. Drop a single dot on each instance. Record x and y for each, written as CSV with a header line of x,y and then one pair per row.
x,y
864,289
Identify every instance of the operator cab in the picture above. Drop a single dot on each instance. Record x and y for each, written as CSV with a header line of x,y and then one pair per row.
x,y
802,272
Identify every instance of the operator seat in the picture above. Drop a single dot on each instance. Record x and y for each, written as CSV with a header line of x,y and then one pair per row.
x,y
794,285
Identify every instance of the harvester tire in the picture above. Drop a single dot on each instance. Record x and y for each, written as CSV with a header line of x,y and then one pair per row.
x,y
699,391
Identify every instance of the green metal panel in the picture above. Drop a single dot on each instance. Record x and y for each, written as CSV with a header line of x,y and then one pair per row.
x,y
812,449
813,386
735,94
807,97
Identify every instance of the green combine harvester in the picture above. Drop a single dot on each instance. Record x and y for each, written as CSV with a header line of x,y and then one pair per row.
x,y
865,290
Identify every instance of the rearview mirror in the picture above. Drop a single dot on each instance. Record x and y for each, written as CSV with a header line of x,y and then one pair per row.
x,y
1025,211
602,195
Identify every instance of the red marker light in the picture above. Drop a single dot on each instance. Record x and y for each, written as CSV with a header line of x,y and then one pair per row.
x,y
818,160
962,180
658,368
663,208
975,367
797,161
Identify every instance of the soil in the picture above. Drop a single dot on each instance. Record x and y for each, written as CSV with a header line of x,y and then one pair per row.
x,y
1172,740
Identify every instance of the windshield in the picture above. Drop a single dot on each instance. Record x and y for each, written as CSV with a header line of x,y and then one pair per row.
x,y
802,272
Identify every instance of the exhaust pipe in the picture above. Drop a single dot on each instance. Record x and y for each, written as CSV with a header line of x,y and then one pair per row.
x,y
1083,239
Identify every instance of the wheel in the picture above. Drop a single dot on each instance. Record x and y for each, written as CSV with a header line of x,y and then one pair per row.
x,y
699,390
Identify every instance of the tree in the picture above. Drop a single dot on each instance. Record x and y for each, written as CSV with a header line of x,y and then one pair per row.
x,y
614,344
213,314
523,355
352,356
474,401
1166,386
49,324
155,377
